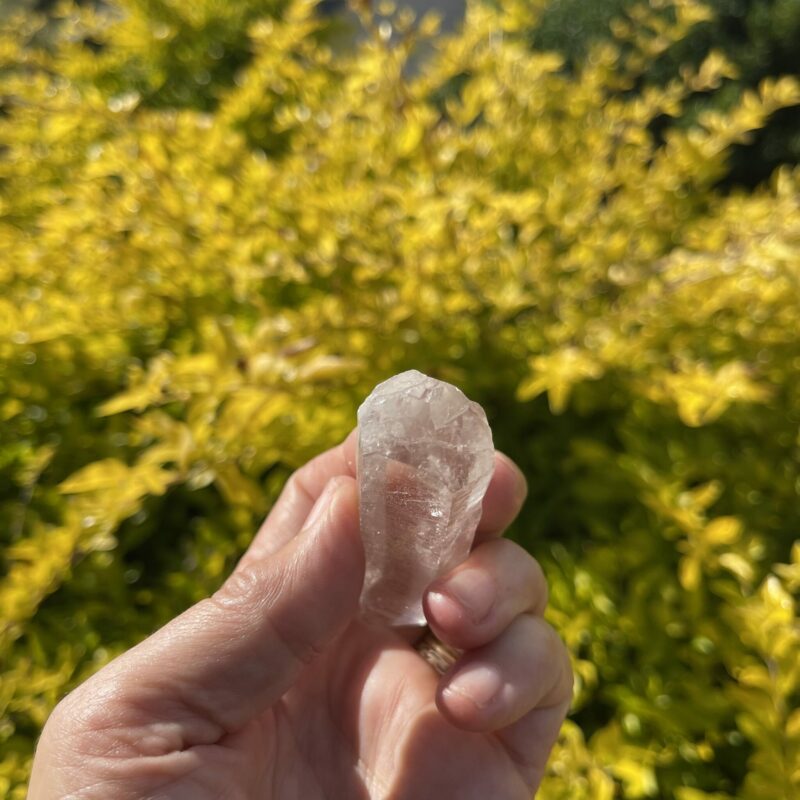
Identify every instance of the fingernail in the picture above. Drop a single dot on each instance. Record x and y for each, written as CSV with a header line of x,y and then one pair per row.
x,y
445,609
473,590
320,508
479,683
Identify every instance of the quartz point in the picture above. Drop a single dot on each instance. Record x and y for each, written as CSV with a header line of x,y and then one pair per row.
x,y
425,458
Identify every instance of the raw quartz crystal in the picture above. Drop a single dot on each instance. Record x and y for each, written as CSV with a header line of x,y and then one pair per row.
x,y
425,458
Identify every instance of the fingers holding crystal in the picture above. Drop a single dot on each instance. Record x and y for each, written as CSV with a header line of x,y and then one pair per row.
x,y
495,686
501,503
478,600
503,499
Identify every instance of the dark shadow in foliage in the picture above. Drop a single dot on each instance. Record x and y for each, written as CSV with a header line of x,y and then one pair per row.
x,y
759,36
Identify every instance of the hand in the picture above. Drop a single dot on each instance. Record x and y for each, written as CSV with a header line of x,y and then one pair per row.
x,y
273,688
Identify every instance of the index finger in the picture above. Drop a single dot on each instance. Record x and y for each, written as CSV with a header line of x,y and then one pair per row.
x,y
298,496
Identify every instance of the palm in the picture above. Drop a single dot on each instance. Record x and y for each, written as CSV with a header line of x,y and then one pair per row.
x,y
361,723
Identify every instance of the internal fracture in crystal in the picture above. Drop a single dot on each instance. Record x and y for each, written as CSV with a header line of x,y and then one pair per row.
x,y
425,458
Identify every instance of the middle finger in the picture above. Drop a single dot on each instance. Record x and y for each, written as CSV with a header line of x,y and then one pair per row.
x,y
480,598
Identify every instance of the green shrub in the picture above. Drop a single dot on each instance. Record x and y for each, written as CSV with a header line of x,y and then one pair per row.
x,y
759,37
200,285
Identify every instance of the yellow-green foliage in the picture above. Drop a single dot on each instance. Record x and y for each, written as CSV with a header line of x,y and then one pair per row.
x,y
205,267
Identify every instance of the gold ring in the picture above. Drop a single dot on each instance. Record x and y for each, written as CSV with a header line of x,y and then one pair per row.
x,y
439,655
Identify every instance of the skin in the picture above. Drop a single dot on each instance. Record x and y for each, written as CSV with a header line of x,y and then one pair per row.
x,y
273,688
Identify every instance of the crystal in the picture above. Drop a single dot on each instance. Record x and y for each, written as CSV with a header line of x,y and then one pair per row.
x,y
425,458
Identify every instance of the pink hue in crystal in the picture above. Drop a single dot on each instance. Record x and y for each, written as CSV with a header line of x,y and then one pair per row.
x,y
425,458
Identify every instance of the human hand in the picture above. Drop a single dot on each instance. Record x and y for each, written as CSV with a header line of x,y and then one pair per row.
x,y
273,688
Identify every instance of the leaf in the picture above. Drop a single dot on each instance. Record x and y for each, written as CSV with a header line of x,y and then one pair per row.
x,y
557,373
324,368
134,400
10,408
600,784
153,480
714,68
105,474
755,676
237,488
706,495
33,466
148,388
793,725
689,573
430,24
738,565
723,530
689,793
409,136
702,396
639,779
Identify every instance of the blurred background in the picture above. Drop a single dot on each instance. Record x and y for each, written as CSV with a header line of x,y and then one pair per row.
x,y
221,223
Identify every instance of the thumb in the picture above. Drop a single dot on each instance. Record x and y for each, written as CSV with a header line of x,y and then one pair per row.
x,y
233,655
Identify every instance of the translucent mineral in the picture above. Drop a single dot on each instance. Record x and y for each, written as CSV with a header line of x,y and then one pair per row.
x,y
425,458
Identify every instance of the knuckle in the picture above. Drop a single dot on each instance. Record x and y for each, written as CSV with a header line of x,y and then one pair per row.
x,y
553,644
505,549
556,661
546,647
296,486
289,628
537,582
528,581
260,593
83,721
244,591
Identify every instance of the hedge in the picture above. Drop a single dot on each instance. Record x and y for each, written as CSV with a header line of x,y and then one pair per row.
x,y
759,37
206,267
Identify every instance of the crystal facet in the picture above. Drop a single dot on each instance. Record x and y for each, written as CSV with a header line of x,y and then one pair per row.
x,y
425,458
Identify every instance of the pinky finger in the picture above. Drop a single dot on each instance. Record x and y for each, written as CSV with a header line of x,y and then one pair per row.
x,y
518,686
